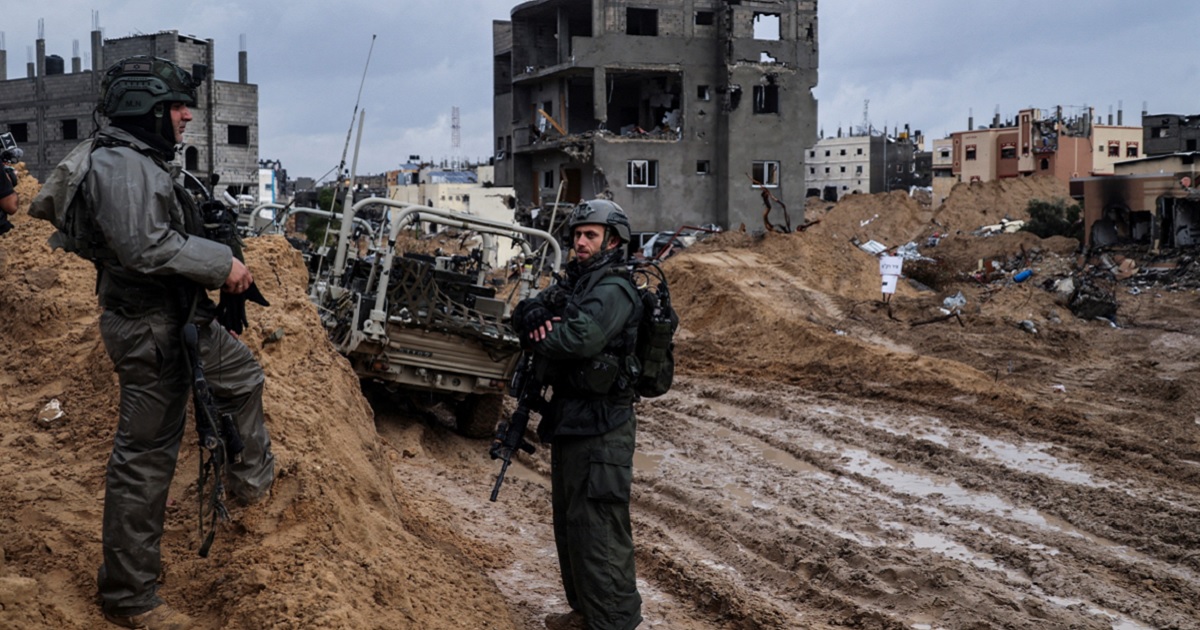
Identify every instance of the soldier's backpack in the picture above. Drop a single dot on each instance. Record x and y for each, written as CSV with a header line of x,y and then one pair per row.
x,y
63,202
655,348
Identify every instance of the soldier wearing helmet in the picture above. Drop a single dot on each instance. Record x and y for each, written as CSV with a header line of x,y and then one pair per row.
x,y
154,267
583,331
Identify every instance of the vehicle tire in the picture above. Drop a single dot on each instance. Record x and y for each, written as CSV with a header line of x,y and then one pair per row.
x,y
479,414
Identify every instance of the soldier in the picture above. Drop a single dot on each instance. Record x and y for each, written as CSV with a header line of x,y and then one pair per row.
x,y
583,332
8,185
154,266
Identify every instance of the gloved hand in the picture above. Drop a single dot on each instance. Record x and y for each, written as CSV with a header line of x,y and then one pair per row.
x,y
531,318
12,175
231,311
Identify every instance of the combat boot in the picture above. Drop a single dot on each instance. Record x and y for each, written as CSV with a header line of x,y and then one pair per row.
x,y
565,621
162,617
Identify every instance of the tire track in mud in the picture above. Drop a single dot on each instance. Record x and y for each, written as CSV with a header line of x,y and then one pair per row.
x,y
770,507
965,515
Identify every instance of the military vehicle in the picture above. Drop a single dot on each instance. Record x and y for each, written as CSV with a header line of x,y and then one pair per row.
x,y
434,328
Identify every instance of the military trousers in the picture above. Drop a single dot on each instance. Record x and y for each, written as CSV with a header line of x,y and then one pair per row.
x,y
590,485
154,376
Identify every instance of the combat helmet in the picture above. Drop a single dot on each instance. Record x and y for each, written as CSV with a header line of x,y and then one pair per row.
x,y
135,86
601,212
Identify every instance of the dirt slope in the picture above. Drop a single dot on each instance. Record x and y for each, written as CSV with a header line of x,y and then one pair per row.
x,y
330,549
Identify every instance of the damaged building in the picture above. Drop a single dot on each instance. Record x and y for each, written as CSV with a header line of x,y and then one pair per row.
x,y
1170,133
1037,142
49,110
682,111
1152,202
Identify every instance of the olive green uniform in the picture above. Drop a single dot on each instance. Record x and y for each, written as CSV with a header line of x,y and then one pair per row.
x,y
158,268
591,426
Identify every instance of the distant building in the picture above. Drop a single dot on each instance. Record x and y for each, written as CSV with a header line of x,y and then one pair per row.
x,y
1036,143
942,163
49,111
862,164
679,110
1170,133
467,191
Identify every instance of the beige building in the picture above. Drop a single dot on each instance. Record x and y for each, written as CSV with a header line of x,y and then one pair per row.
x,y
1038,143
943,170
1113,145
468,192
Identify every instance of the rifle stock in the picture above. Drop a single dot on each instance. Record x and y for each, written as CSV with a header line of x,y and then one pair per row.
x,y
511,435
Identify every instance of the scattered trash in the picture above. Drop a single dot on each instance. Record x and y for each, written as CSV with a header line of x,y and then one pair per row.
x,y
51,412
955,302
1005,226
865,222
1091,302
276,335
1059,388
873,248
1064,286
1023,276
840,333
1028,326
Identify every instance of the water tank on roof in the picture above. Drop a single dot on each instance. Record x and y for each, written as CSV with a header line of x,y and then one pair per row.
x,y
54,64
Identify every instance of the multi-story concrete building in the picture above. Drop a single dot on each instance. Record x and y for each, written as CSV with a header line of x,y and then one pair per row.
x,y
861,164
679,110
1170,133
1040,143
49,111
943,170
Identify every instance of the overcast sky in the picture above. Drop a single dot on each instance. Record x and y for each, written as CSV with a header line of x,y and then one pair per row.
x,y
927,63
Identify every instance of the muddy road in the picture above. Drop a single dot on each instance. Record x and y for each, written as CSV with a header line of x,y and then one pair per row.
x,y
772,507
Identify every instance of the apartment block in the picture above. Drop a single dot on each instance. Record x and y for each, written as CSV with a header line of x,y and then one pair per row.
x,y
50,110
1038,142
1170,133
681,111
861,164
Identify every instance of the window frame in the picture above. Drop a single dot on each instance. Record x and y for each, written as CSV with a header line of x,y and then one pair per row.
x,y
769,171
648,173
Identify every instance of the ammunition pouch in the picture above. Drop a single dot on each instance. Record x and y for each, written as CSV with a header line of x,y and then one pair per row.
x,y
596,376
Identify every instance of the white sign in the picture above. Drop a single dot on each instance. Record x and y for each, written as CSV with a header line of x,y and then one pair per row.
x,y
890,265
889,284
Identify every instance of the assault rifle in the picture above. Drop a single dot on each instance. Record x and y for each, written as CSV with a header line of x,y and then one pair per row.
x,y
511,435
220,443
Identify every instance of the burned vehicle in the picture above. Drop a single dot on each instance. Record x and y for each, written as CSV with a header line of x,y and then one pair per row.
x,y
434,328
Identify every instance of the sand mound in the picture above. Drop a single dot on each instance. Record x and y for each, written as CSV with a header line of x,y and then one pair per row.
x,y
334,546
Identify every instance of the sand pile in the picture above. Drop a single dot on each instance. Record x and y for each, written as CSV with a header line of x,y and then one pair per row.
x,y
334,546
805,307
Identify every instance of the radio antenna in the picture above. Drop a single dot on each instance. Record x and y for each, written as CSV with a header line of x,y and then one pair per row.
x,y
350,131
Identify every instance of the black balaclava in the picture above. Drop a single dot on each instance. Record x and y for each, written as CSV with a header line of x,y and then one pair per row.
x,y
154,130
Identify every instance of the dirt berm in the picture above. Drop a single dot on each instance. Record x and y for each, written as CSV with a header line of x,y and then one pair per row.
x,y
333,547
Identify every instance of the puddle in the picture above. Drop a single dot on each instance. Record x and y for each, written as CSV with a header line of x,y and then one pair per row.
x,y
1029,458
1118,621
769,453
518,470
944,546
948,492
